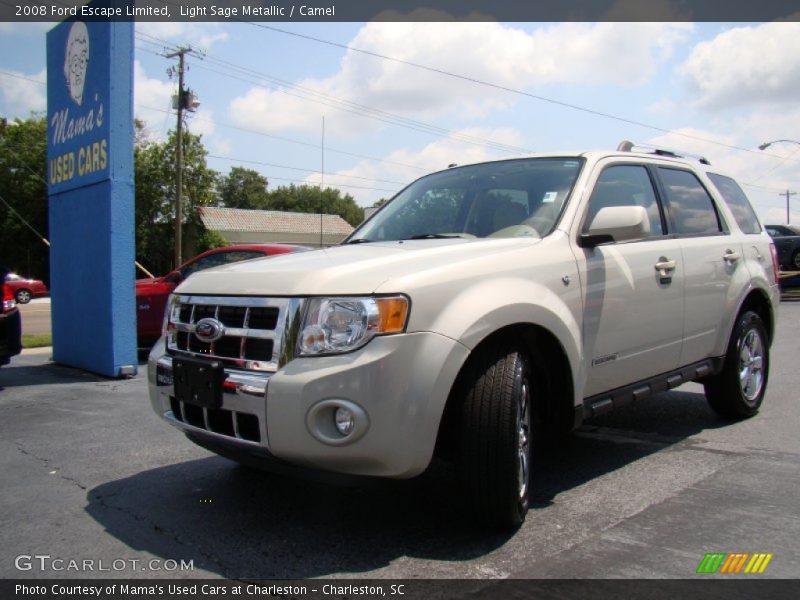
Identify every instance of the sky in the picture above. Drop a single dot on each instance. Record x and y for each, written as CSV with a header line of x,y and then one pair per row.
x,y
714,89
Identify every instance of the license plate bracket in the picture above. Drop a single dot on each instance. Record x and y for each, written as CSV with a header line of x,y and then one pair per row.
x,y
198,382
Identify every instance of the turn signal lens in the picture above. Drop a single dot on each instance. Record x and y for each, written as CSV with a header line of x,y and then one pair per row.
x,y
393,313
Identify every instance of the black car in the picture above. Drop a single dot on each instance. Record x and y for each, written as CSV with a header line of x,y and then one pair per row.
x,y
10,327
787,242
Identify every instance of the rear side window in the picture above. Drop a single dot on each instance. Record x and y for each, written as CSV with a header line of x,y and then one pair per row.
x,y
690,207
625,185
736,200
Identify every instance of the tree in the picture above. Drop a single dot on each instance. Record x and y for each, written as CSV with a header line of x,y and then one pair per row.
x,y
23,150
309,199
155,199
243,188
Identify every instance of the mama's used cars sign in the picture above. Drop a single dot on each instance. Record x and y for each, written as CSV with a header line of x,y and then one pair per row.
x,y
91,193
78,124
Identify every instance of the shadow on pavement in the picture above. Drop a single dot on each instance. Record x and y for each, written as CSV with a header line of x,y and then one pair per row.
x,y
241,523
44,374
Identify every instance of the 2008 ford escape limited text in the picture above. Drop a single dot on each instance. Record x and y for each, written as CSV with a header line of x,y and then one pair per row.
x,y
481,306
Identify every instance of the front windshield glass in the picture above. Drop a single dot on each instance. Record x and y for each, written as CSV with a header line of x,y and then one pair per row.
x,y
512,198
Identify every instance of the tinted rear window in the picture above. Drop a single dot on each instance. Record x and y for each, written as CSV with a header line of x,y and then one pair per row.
x,y
691,208
737,201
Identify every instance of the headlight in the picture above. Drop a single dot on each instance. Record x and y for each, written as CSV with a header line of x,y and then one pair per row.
x,y
336,325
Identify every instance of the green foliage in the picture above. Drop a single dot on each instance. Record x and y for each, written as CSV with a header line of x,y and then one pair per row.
x,y
309,199
243,188
23,149
155,199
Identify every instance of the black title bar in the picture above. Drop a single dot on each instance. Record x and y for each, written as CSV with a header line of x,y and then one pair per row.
x,y
403,10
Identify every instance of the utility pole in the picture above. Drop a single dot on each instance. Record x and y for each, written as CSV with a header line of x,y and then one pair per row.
x,y
321,179
788,194
180,104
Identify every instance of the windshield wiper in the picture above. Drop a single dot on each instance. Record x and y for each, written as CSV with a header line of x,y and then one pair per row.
x,y
359,241
433,236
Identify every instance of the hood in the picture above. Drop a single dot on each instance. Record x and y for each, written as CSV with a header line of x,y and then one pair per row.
x,y
347,269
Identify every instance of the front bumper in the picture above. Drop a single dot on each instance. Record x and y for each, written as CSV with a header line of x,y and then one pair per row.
x,y
398,386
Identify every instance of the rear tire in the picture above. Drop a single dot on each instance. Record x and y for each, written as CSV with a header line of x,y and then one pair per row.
x,y
494,434
738,390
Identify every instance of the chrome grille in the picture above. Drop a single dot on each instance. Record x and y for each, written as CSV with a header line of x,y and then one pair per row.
x,y
255,329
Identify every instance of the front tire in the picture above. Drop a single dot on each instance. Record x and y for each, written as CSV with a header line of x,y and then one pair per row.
x,y
494,433
23,296
796,260
738,390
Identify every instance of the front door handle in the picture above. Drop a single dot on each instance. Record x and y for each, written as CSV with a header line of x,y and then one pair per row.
x,y
731,256
665,267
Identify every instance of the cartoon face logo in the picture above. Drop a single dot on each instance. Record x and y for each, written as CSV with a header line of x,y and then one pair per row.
x,y
76,58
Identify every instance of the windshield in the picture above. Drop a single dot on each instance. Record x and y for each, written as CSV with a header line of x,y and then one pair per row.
x,y
512,198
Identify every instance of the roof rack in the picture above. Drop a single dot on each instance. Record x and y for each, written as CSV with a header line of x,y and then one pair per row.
x,y
627,146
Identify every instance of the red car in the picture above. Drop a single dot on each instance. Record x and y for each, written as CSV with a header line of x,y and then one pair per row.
x,y
10,328
25,289
152,294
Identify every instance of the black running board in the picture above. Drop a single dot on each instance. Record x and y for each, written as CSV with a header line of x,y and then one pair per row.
x,y
608,401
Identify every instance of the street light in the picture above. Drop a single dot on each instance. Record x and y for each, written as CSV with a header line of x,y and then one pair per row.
x,y
787,193
766,145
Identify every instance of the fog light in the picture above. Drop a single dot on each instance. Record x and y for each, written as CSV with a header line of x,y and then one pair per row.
x,y
345,421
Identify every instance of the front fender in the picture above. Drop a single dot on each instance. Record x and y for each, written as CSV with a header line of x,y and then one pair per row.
x,y
480,310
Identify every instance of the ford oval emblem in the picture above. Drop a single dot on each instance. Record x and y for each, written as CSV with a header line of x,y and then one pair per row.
x,y
209,330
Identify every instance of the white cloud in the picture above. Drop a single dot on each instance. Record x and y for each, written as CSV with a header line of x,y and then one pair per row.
x,y
404,165
747,65
21,96
11,28
200,35
152,100
201,122
618,53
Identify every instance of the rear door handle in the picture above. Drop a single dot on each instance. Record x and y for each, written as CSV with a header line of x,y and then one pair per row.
x,y
731,256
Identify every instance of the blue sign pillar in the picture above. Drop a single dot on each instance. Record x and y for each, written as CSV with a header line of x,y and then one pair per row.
x,y
90,187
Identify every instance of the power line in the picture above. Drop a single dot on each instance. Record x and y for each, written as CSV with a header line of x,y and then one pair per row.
x,y
503,88
356,187
266,164
339,103
21,218
361,110
17,76
295,141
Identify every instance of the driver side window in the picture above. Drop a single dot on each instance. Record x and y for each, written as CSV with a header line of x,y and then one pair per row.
x,y
626,185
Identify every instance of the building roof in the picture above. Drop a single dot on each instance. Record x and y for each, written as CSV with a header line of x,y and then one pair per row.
x,y
271,221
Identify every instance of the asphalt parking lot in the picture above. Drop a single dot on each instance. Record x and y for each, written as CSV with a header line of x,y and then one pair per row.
x,y
90,473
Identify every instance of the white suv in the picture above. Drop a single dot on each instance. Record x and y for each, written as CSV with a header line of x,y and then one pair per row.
x,y
482,305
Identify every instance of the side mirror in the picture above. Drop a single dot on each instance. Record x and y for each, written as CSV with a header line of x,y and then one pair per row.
x,y
174,277
616,224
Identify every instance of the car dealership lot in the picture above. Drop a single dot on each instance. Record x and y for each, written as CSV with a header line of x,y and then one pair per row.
x,y
36,316
90,474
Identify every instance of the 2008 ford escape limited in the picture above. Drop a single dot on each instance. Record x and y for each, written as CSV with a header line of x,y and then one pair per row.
x,y
482,305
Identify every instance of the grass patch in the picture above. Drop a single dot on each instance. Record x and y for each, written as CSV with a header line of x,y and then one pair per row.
x,y
37,340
